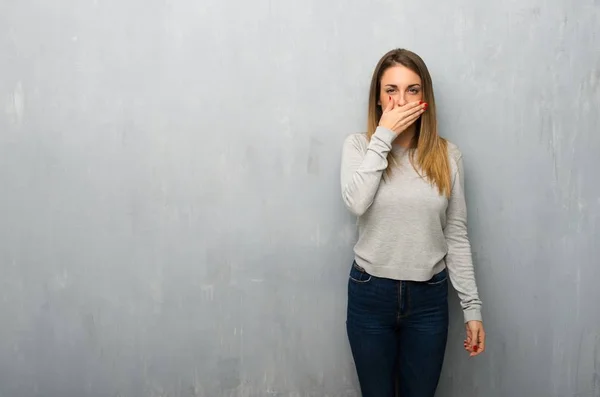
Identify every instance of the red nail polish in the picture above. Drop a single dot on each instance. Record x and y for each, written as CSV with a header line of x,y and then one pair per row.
x,y
420,102
475,348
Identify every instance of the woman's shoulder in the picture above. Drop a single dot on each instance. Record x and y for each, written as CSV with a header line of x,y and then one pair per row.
x,y
454,152
357,139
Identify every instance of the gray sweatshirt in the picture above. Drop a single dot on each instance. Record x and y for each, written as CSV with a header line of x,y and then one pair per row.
x,y
406,229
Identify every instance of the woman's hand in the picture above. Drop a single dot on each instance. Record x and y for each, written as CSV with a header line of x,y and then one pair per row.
x,y
475,341
398,119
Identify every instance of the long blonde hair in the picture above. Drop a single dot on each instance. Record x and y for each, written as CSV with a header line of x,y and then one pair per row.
x,y
432,150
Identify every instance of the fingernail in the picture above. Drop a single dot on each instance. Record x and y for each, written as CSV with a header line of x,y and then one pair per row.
x,y
475,348
390,98
420,102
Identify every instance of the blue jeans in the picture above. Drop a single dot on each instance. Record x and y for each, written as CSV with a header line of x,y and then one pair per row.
x,y
397,332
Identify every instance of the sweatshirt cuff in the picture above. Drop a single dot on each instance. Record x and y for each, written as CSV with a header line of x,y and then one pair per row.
x,y
472,315
385,135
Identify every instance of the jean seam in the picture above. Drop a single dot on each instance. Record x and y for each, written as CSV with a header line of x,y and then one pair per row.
x,y
438,282
360,281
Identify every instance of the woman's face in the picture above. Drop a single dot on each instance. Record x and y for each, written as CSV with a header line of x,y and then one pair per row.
x,y
400,83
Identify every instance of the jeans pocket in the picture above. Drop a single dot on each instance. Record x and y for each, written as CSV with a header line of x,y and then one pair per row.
x,y
439,278
358,274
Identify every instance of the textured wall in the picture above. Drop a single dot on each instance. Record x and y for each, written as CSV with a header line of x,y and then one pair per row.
x,y
170,213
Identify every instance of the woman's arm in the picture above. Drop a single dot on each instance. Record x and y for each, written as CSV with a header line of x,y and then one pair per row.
x,y
459,260
361,171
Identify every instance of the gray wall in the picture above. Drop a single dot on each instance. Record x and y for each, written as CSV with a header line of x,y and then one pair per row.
x,y
170,213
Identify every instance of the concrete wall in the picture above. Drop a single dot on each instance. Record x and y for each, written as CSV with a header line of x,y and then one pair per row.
x,y
170,213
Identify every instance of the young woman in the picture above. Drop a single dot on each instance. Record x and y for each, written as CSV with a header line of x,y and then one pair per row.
x,y
406,186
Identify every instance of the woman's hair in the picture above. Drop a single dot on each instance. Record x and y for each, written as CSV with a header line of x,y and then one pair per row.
x,y
431,149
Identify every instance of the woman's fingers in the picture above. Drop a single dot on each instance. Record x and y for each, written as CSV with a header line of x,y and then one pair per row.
x,y
411,117
414,107
390,105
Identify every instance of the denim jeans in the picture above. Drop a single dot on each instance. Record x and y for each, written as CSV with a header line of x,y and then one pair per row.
x,y
397,332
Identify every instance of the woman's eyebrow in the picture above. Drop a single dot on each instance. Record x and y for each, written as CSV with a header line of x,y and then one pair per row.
x,y
410,86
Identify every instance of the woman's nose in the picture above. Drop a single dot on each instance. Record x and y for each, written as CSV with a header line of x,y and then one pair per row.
x,y
401,100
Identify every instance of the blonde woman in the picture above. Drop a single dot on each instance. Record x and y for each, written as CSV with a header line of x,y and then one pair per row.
x,y
406,186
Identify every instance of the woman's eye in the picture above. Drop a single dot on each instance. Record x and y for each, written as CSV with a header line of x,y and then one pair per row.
x,y
414,90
